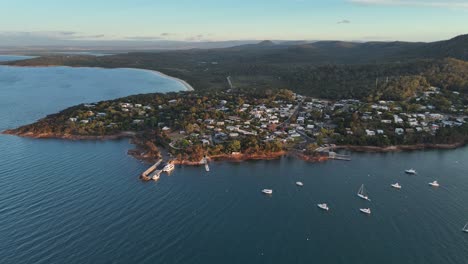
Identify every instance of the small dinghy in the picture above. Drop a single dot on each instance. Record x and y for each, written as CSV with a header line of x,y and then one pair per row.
x,y
299,184
396,185
267,191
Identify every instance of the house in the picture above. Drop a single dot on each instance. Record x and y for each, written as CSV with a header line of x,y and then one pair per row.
x,y
165,129
399,131
380,132
295,135
85,121
138,121
370,132
234,135
397,119
73,119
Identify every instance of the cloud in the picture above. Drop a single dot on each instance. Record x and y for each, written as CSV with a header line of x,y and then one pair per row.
x,y
44,37
415,3
199,37
344,21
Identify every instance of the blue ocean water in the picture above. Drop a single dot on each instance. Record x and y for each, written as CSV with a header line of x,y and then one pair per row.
x,y
82,202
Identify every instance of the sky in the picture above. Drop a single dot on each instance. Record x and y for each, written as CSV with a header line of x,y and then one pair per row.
x,y
30,22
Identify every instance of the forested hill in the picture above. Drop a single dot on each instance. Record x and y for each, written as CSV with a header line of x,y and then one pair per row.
x,y
332,69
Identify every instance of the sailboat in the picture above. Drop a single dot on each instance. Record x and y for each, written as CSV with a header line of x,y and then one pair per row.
x,y
362,194
465,228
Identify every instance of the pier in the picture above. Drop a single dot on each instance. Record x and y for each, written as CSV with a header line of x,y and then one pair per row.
x,y
151,171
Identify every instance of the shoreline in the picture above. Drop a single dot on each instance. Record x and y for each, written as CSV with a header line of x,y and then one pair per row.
x,y
184,83
125,134
241,157
399,148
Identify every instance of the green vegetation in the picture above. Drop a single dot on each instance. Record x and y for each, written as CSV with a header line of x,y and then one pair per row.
x,y
332,69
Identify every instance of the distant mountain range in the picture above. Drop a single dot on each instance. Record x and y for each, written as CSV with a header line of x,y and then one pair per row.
x,y
300,50
333,69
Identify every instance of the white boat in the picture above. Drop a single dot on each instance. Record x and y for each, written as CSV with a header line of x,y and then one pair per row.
x,y
434,184
411,171
465,228
396,185
299,184
365,210
361,193
323,206
155,177
168,168
267,191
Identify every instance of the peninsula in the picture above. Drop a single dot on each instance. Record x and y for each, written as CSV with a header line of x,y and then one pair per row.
x,y
262,124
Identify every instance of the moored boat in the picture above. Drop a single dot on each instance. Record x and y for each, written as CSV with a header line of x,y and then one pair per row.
x,y
267,191
434,184
361,193
168,168
396,185
365,210
411,171
465,228
323,206
299,183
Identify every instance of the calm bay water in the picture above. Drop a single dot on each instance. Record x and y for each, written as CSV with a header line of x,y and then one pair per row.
x,y
14,57
82,202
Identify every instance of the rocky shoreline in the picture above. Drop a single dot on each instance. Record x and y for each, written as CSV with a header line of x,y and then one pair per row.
x,y
140,154
126,134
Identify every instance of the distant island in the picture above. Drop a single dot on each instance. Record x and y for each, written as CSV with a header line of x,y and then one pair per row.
x,y
237,125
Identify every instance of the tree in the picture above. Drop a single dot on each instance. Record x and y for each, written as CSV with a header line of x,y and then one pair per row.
x,y
234,146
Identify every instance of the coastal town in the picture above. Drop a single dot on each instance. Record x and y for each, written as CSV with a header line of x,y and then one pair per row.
x,y
243,125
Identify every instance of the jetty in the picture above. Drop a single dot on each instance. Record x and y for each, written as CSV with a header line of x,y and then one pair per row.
x,y
205,161
151,171
335,156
